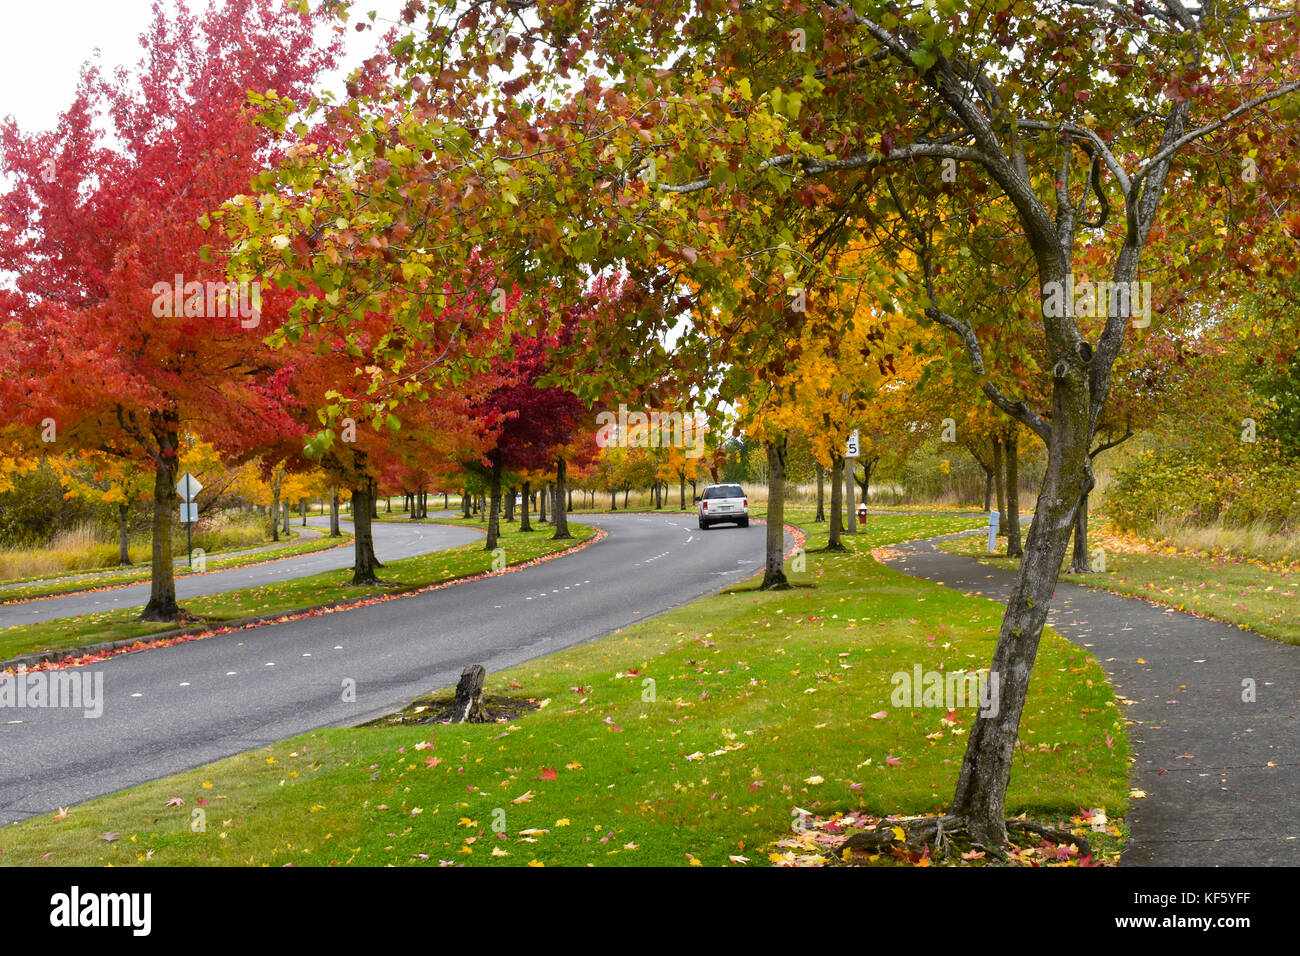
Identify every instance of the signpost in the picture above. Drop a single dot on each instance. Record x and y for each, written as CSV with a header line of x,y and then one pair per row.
x,y
188,488
850,456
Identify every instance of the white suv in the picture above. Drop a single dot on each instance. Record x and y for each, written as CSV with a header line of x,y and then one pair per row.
x,y
723,503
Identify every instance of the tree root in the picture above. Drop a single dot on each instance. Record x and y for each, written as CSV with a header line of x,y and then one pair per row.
x,y
1051,833
938,833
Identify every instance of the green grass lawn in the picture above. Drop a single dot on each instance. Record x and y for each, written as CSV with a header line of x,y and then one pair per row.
x,y
216,609
1256,596
50,586
683,740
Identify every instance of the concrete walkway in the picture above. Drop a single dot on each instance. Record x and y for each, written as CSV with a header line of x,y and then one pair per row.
x,y
1221,774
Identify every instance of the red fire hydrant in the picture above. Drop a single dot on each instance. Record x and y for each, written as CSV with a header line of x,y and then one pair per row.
x,y
862,514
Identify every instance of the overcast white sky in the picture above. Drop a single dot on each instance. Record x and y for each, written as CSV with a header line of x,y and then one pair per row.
x,y
43,44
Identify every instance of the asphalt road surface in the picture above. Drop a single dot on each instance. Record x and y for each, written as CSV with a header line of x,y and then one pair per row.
x,y
393,540
173,708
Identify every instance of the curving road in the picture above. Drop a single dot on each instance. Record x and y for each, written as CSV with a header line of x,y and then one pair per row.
x,y
393,540
178,707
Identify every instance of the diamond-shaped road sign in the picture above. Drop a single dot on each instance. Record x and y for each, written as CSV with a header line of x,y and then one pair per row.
x,y
188,487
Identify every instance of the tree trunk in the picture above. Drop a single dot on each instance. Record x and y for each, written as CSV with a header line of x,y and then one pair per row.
x,y
774,556
980,796
494,509
681,487
364,563
850,513
561,519
1013,496
999,484
821,494
464,502
287,513
334,512
275,512
833,543
865,484
374,505
123,534
613,499
467,705
626,491
444,502
524,499
1080,562
162,580
303,507
988,487
510,503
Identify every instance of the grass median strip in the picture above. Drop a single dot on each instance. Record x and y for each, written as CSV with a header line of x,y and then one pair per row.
x,y
694,738
1253,595
300,593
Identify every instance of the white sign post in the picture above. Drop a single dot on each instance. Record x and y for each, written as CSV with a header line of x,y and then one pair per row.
x,y
850,456
188,488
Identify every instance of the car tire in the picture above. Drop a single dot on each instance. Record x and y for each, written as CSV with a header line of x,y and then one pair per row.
x,y
704,525
743,522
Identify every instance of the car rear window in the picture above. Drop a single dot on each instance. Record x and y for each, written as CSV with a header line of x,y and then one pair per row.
x,y
724,491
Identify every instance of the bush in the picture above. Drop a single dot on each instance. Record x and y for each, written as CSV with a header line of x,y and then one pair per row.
x,y
1236,485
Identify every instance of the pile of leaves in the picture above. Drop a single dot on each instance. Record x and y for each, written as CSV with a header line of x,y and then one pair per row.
x,y
821,841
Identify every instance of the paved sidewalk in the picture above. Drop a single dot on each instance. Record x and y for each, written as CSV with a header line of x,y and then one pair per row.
x,y
1221,775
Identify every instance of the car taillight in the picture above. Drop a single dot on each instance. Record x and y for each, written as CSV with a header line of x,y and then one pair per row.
x,y
704,505
746,502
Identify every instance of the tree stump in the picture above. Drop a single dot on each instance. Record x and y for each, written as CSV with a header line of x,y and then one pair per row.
x,y
467,705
